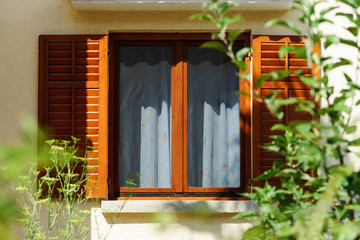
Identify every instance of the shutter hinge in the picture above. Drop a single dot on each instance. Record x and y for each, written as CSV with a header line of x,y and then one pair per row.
x,y
250,55
109,181
109,55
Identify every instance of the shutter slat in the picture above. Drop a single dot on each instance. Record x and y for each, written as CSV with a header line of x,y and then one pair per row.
x,y
266,59
73,97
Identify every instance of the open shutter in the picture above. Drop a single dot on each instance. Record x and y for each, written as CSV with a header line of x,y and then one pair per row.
x,y
266,59
73,97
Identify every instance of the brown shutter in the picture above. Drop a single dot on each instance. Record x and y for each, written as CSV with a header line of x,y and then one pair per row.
x,y
266,59
73,97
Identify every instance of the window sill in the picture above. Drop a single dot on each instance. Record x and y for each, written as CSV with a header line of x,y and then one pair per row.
x,y
177,206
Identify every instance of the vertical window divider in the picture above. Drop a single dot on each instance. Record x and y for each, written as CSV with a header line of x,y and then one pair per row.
x,y
178,133
185,122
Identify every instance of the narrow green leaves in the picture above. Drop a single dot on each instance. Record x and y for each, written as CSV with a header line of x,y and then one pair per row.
x,y
242,53
283,23
342,62
214,45
234,34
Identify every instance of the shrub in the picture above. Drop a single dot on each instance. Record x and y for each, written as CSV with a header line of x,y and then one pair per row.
x,y
318,193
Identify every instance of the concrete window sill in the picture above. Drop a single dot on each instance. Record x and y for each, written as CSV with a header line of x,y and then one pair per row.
x,y
176,206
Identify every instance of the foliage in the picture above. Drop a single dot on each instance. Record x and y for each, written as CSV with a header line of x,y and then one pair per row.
x,y
59,188
50,184
15,160
318,193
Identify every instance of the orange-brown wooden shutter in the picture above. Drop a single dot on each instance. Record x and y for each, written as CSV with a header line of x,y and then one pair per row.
x,y
73,97
266,59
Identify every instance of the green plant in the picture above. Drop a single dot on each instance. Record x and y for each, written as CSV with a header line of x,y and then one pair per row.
x,y
318,193
15,160
59,189
114,214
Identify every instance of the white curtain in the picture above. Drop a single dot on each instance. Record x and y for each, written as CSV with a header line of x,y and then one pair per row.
x,y
145,110
213,120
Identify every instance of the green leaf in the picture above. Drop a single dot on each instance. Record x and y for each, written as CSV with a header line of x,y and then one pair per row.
x,y
330,40
350,129
259,232
351,3
283,23
304,129
241,53
342,170
214,45
234,34
355,142
327,10
240,64
299,51
279,75
279,127
354,30
246,215
271,96
347,15
348,78
262,79
345,231
267,174
244,93
318,21
342,62
310,81
230,20
349,42
353,85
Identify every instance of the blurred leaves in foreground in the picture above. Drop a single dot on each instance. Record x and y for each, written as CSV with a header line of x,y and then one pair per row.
x,y
15,160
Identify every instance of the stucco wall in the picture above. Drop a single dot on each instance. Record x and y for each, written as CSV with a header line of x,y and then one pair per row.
x,y
22,21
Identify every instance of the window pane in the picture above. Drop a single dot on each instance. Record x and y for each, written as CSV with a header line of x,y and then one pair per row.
x,y
145,110
213,120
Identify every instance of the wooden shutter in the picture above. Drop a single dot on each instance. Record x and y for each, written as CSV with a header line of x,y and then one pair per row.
x,y
266,59
73,97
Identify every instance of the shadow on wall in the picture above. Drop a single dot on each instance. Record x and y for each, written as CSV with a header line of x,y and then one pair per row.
x,y
175,220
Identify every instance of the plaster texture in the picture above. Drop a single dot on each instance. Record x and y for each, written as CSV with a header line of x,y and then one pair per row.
x,y
164,226
21,22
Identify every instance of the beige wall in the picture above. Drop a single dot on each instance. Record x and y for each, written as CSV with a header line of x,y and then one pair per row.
x,y
22,21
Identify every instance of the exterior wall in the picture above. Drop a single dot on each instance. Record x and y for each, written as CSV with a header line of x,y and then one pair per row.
x,y
336,78
21,22
163,219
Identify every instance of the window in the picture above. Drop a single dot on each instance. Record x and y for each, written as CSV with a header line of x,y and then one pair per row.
x,y
178,124
162,80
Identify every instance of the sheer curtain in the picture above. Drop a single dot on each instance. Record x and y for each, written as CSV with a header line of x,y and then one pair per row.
x,y
213,120
145,110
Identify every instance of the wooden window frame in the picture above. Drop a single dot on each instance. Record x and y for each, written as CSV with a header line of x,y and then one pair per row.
x,y
179,42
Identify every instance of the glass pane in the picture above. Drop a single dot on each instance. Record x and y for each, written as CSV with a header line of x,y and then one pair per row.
x,y
145,110
213,120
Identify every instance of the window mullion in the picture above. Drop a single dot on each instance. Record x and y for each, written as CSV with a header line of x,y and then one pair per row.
x,y
177,87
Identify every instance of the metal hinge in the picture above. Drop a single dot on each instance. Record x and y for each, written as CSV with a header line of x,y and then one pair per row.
x,y
250,55
109,181
109,55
